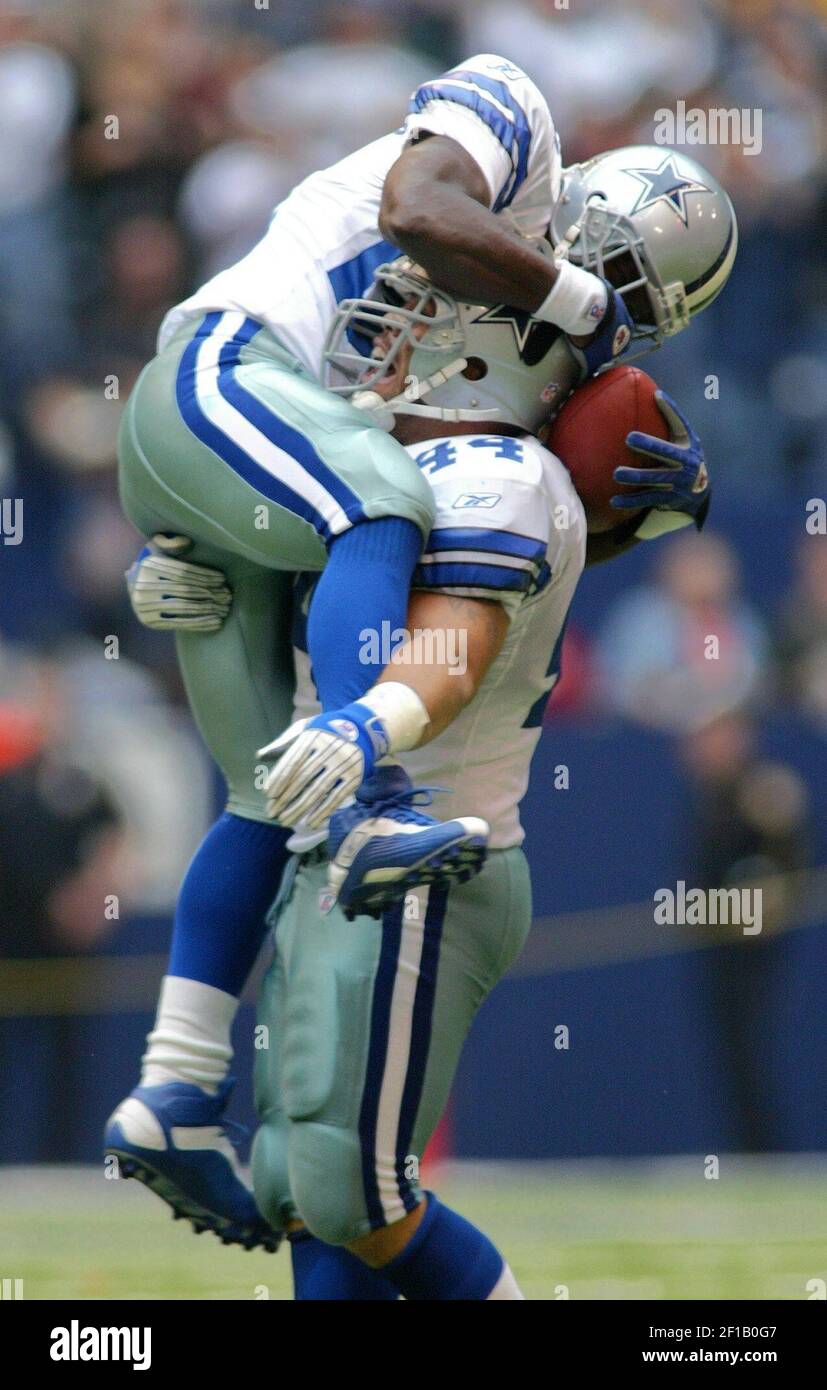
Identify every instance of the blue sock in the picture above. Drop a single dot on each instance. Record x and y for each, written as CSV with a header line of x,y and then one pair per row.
x,y
220,915
330,1272
365,583
447,1258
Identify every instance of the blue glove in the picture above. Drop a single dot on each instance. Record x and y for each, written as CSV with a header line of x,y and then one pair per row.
x,y
611,339
681,484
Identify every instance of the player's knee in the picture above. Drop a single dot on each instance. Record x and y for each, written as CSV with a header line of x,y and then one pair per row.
x,y
326,1181
271,1184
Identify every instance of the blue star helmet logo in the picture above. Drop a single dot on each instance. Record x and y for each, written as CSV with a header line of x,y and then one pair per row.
x,y
666,185
533,337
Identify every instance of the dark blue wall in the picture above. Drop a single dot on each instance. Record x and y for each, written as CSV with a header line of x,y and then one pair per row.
x,y
643,1073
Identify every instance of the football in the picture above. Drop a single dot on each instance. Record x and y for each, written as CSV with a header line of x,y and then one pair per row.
x,y
589,437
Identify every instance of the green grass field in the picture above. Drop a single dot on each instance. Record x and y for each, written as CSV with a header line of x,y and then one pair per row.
x,y
634,1230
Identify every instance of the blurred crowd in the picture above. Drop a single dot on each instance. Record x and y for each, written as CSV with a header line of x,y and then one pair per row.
x,y
143,145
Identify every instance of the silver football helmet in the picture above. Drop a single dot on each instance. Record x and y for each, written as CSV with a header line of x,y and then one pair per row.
x,y
468,362
655,224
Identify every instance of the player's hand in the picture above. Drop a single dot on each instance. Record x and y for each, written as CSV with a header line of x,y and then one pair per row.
x,y
611,340
681,483
168,593
321,763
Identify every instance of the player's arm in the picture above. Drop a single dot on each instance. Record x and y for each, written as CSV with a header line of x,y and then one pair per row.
x,y
477,135
323,762
465,637
470,580
435,207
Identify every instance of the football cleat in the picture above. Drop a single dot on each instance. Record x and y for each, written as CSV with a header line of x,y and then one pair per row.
x,y
173,1139
382,845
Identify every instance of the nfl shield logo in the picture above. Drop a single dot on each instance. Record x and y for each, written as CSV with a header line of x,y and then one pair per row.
x,y
327,900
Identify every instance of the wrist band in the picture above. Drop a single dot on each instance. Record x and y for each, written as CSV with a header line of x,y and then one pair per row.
x,y
402,712
576,301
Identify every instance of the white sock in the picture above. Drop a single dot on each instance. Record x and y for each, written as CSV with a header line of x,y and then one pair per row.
x,y
191,1037
506,1287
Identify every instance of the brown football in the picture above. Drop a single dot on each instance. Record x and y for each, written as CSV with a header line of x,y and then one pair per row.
x,y
589,436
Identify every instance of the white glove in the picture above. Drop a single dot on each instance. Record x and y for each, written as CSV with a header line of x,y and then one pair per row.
x,y
321,770
324,759
171,594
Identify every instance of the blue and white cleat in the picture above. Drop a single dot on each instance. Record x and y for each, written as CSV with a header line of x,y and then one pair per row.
x,y
382,846
173,1139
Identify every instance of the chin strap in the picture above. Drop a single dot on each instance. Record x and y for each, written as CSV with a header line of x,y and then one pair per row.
x,y
562,249
408,402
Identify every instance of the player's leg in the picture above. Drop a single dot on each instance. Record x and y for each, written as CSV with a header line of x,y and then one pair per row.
x,y
320,1272
239,681
375,1021
472,935
199,457
247,453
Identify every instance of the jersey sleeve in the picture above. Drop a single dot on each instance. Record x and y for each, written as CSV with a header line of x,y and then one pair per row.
x,y
492,529
494,111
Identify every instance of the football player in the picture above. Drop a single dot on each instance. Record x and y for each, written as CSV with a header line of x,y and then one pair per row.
x,y
365,1027
230,440
232,453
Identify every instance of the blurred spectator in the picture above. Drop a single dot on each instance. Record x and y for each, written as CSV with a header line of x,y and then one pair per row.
x,y
62,857
749,829
573,695
72,424
228,197
687,647
37,97
107,719
148,756
38,93
801,633
60,833
593,61
360,56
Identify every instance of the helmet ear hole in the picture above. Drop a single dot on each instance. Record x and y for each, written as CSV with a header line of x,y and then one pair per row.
x,y
475,369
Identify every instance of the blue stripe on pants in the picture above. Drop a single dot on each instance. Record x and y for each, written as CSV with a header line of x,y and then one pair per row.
x,y
423,1013
269,424
281,434
381,1042
377,1052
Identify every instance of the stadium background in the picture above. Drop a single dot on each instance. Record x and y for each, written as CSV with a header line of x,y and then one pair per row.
x,y
680,1042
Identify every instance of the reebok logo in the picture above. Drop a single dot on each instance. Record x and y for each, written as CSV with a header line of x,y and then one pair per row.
x,y
477,499
345,728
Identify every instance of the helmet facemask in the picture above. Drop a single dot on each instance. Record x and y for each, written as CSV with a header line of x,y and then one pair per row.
x,y
409,312
609,246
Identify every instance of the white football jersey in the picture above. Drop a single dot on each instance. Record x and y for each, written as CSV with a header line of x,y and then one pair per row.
x,y
509,527
324,244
